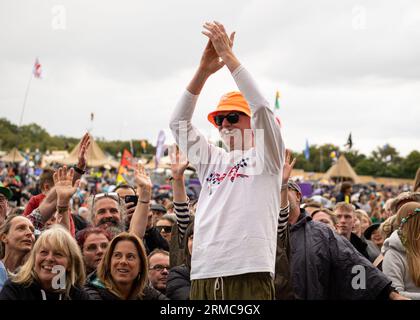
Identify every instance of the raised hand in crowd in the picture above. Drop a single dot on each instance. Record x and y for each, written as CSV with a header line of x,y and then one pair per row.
x,y
65,188
144,190
222,45
179,164
210,63
81,159
48,205
288,166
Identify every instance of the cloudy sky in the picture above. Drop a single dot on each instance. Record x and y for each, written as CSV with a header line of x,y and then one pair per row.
x,y
340,66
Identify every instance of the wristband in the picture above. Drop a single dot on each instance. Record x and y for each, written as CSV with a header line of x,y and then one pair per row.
x,y
62,209
284,186
145,202
78,170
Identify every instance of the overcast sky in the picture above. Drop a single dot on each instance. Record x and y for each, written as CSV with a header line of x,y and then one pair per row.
x,y
340,66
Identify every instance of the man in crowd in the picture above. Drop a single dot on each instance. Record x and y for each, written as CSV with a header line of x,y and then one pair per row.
x,y
234,248
124,190
158,269
325,265
345,192
345,215
107,212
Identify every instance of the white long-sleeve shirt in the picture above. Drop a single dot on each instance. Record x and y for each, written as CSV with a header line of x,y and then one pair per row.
x,y
235,229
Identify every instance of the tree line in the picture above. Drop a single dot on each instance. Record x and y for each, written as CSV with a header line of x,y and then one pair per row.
x,y
384,161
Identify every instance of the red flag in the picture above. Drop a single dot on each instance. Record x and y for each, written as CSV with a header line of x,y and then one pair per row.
x,y
37,69
127,162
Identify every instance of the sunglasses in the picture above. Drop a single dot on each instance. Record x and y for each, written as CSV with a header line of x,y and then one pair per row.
x,y
232,117
166,229
159,267
112,195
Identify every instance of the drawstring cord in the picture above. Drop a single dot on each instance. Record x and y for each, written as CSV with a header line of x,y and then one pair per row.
x,y
217,286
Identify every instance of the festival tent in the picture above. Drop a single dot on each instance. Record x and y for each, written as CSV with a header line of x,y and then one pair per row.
x,y
13,156
94,155
53,156
341,171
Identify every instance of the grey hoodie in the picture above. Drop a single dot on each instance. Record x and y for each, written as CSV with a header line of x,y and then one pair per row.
x,y
396,268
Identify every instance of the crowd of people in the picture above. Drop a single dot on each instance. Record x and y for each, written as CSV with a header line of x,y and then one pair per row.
x,y
250,234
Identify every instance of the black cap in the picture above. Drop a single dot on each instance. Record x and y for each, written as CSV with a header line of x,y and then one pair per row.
x,y
158,207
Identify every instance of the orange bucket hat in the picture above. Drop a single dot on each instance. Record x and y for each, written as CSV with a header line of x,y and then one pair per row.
x,y
231,101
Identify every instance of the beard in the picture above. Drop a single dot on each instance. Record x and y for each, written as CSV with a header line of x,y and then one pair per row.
x,y
232,138
114,226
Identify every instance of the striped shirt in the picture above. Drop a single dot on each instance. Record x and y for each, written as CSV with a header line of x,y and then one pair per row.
x,y
183,215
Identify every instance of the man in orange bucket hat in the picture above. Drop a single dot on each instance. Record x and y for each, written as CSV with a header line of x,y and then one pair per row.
x,y
235,225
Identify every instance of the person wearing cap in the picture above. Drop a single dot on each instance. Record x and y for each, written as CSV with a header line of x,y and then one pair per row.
x,y
158,210
374,235
239,203
5,195
322,261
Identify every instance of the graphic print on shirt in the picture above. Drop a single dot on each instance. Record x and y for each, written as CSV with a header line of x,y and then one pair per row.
x,y
214,179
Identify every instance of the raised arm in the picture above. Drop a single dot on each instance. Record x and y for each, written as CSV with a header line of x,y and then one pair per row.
x,y
48,206
138,222
81,159
64,187
271,148
284,205
186,136
178,166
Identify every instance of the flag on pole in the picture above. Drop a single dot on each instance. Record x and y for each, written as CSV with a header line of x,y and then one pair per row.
x,y
127,162
143,145
37,69
159,147
349,141
307,152
277,103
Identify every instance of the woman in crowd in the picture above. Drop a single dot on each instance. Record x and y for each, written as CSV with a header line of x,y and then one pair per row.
x,y
402,252
54,270
386,229
93,242
164,225
365,221
16,241
122,273
326,216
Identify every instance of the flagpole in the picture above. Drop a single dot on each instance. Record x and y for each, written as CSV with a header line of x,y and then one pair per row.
x,y
24,101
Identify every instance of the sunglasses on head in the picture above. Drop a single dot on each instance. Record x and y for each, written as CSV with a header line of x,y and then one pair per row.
x,y
232,117
112,195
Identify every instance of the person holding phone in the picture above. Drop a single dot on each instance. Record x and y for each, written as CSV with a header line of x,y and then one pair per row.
x,y
129,201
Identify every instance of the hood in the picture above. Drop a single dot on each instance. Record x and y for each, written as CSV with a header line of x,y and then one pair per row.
x,y
394,243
